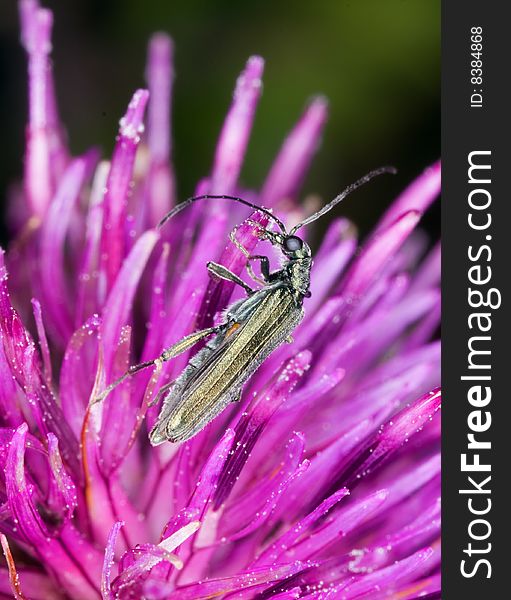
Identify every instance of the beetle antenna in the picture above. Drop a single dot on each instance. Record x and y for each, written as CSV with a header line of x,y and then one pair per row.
x,y
346,192
177,209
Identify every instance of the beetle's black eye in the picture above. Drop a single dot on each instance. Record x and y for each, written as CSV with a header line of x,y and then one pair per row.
x,y
293,243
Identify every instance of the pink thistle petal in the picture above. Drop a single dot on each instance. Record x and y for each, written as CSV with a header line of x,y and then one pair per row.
x,y
254,420
43,340
392,435
289,414
209,479
107,501
118,411
160,181
427,588
10,401
400,544
428,274
88,294
25,366
292,163
13,574
339,524
389,578
152,555
376,253
158,317
219,587
337,248
233,140
274,552
356,349
36,585
57,297
416,197
411,481
76,376
254,509
63,494
113,243
219,292
36,37
106,577
308,491
119,302
20,497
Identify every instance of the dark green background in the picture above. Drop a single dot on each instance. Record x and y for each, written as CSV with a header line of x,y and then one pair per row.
x,y
376,60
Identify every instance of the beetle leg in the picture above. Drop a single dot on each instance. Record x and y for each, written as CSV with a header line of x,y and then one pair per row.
x,y
175,350
163,390
223,273
184,344
265,268
232,237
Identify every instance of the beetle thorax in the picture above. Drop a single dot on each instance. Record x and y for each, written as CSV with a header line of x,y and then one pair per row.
x,y
299,274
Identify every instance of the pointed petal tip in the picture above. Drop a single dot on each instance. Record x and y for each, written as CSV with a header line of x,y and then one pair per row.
x,y
161,44
249,80
319,103
255,64
131,125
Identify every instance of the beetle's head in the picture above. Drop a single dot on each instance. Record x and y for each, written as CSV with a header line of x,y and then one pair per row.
x,y
294,247
291,245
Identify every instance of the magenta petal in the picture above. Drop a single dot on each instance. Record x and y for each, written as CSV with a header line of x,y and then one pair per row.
x,y
106,578
159,74
392,435
219,292
36,37
338,524
428,274
43,340
20,497
417,196
389,578
56,292
218,587
208,481
13,575
377,252
34,584
77,374
116,194
254,420
118,305
63,494
88,293
283,543
233,139
250,512
148,556
291,164
243,508
9,393
25,366
333,255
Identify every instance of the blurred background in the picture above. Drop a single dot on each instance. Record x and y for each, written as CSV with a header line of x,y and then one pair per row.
x,y
377,61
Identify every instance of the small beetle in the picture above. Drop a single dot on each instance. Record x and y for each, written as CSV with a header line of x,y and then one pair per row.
x,y
252,329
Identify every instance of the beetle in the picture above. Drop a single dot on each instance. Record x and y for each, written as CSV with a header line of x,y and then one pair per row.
x,y
251,330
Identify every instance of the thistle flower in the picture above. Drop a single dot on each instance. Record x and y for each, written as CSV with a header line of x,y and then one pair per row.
x,y
323,482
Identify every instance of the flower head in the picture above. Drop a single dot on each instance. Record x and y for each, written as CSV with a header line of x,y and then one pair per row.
x,y
322,482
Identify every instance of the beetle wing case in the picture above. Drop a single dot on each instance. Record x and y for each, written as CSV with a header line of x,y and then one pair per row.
x,y
215,376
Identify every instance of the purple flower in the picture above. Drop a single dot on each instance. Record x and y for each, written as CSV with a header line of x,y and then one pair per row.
x,y
323,482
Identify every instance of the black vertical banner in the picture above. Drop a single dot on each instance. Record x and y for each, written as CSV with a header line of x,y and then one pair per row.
x,y
476,270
